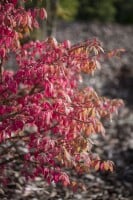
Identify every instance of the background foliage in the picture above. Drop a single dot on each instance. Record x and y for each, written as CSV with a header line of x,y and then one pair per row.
x,y
102,10
94,9
119,11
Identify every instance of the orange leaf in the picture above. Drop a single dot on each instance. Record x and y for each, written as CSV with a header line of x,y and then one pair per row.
x,y
106,165
97,165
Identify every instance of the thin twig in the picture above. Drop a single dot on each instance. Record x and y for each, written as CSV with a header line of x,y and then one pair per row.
x,y
9,115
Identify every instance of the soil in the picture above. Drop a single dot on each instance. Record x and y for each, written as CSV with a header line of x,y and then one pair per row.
x,y
114,80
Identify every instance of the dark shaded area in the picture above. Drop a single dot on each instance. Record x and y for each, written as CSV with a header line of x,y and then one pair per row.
x,y
112,10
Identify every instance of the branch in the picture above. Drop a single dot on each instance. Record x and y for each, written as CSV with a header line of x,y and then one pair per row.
x,y
1,67
9,115
72,118
27,133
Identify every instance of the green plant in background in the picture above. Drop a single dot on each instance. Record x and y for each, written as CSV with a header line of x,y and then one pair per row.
x,y
102,10
68,9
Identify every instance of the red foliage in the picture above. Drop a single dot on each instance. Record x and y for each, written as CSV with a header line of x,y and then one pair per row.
x,y
41,105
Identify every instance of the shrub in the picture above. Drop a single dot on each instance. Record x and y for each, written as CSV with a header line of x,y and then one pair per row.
x,y
46,122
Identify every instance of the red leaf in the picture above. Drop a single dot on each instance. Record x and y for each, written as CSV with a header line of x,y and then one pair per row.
x,y
43,13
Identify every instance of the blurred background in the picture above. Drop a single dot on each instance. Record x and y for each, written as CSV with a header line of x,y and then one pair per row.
x,y
118,11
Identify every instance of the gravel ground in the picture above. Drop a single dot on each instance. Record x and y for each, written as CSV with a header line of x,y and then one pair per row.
x,y
114,80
